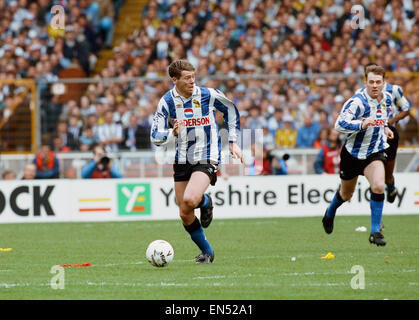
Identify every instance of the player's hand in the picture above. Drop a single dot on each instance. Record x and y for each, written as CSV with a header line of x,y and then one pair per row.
x,y
177,127
366,122
389,133
235,151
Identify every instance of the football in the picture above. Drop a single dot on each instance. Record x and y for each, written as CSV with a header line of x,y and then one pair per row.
x,y
160,253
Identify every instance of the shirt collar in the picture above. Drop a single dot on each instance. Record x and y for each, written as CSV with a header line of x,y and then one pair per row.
x,y
371,99
194,93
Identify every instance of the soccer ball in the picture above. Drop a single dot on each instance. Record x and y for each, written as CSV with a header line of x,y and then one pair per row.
x,y
159,253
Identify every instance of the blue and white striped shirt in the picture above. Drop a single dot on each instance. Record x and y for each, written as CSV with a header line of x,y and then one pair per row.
x,y
398,102
361,143
199,141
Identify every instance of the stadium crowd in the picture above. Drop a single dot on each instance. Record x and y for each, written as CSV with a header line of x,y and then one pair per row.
x,y
311,40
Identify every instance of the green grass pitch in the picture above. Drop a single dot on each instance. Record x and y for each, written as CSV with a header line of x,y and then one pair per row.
x,y
253,260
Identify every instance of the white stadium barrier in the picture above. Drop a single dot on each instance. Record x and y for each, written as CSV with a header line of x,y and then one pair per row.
x,y
153,199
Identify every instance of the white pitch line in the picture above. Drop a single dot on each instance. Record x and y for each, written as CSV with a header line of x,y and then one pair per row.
x,y
209,277
117,264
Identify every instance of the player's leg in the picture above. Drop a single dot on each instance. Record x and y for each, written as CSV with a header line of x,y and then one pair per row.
x,y
344,193
375,174
391,152
205,205
189,195
350,168
196,196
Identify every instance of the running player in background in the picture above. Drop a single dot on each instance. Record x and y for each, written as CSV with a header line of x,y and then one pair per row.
x,y
400,108
191,111
364,119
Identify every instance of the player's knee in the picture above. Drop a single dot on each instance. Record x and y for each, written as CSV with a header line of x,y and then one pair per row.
x,y
191,200
378,187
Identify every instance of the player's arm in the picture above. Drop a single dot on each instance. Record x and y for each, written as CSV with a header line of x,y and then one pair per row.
x,y
231,118
401,115
160,132
349,119
402,104
230,112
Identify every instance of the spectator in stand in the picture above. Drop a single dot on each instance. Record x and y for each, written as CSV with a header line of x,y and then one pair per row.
x,y
110,134
74,50
268,139
328,158
86,107
308,133
68,140
8,175
100,166
136,136
87,139
286,137
321,138
29,171
92,121
275,121
255,119
91,10
106,21
75,128
47,166
58,145
122,114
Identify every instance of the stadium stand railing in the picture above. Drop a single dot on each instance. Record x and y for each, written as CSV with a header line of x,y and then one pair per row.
x,y
144,164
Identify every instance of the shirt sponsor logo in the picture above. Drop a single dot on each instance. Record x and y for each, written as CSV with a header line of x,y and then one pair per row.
x,y
196,122
379,123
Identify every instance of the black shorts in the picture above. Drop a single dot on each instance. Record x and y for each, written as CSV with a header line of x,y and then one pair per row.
x,y
183,172
351,167
391,151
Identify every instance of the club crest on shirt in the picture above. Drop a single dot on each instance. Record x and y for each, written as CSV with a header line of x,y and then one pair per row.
x,y
196,103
